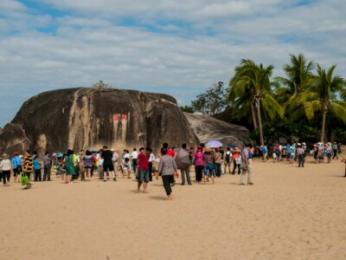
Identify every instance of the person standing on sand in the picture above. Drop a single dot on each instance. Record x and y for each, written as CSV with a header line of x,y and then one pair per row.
x,y
236,157
228,160
210,168
246,158
151,161
134,158
301,155
70,166
108,166
143,170
183,163
16,162
37,168
47,165
199,164
28,164
167,169
5,169
88,163
218,162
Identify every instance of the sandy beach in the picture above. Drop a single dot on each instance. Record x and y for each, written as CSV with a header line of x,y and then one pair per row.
x,y
290,213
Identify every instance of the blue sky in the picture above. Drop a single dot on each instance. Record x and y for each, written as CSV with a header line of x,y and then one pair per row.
x,y
176,47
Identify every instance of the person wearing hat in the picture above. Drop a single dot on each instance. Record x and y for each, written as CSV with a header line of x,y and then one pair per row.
x,y
5,168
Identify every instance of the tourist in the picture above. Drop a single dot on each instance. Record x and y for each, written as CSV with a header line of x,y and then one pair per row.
x,y
143,169
210,169
183,163
61,167
246,158
37,168
328,152
115,159
27,170
167,169
5,169
228,160
335,151
236,157
264,151
152,158
300,155
126,169
47,165
80,166
76,160
199,164
320,153
108,167
16,162
88,163
218,162
70,166
134,158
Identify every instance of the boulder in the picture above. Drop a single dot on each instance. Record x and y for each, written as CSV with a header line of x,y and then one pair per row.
x,y
13,139
89,118
208,128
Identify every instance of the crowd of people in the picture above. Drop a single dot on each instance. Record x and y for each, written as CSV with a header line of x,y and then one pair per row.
x,y
142,165
297,152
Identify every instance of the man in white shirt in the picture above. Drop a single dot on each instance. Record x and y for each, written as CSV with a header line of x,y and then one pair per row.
x,y
134,157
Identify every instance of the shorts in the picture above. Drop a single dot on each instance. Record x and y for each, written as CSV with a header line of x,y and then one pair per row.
x,y
143,176
210,170
109,167
17,171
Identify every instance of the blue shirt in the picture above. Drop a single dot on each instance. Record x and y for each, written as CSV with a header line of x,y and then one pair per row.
x,y
37,165
16,162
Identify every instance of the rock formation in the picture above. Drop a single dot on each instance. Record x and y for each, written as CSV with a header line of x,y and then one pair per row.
x,y
208,128
92,117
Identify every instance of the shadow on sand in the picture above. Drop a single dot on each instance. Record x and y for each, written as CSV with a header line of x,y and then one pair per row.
x,y
158,198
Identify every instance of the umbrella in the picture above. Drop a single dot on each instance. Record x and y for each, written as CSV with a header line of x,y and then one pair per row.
x,y
214,144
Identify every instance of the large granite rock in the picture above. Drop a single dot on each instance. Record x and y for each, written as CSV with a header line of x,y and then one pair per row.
x,y
208,128
93,117
13,139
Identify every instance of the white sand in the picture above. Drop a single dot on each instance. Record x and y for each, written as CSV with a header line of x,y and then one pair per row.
x,y
289,213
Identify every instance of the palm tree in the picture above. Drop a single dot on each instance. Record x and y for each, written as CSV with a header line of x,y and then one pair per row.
x,y
327,85
251,90
323,96
299,74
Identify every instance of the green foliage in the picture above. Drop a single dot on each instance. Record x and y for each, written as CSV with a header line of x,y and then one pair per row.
x,y
290,106
213,101
187,109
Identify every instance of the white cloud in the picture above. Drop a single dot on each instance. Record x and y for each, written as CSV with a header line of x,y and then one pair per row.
x,y
89,44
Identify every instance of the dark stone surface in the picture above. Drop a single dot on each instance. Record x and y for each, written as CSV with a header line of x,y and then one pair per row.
x,y
93,117
13,139
208,128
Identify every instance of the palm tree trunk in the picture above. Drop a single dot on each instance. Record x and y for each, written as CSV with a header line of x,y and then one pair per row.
x,y
324,120
259,116
253,113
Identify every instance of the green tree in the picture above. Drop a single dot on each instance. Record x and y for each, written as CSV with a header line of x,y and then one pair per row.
x,y
324,97
250,91
299,74
213,101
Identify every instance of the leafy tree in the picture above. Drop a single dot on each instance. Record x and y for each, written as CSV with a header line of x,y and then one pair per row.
x,y
250,91
213,101
299,74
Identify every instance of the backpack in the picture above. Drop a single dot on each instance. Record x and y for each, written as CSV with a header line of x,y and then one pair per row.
x,y
228,156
